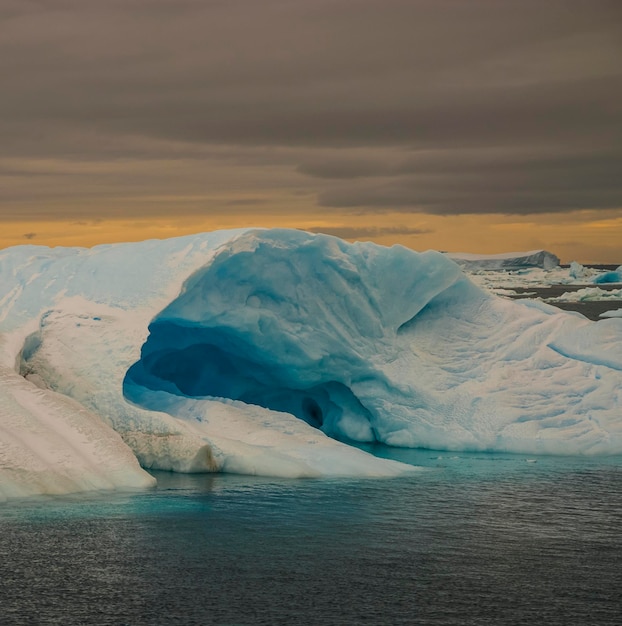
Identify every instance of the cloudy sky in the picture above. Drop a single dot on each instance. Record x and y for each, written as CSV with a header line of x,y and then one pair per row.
x,y
464,125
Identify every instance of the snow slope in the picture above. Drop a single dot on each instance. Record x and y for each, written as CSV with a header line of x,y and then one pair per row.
x,y
241,351
49,443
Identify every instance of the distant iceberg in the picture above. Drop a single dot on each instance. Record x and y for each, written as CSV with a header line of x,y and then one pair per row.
x,y
577,271
614,276
263,351
505,261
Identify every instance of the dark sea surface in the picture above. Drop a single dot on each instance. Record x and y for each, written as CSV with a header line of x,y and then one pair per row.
x,y
471,539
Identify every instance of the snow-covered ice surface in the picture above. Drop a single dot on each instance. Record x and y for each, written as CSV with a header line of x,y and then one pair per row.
x,y
241,351
612,313
49,443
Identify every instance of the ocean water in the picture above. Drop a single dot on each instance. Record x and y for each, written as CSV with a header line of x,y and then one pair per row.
x,y
471,539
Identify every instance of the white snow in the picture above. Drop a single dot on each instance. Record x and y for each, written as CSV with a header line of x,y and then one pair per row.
x,y
241,351
612,313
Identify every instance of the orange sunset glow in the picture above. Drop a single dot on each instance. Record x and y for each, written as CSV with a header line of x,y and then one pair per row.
x,y
592,241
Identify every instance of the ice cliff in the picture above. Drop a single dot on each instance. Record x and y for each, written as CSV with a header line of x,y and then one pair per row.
x,y
256,351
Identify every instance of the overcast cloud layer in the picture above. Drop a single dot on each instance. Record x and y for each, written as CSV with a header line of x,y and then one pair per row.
x,y
440,106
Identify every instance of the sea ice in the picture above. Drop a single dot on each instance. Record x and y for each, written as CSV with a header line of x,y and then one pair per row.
x,y
499,280
505,261
589,294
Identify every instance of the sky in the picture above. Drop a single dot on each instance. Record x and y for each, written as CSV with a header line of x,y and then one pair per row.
x,y
479,126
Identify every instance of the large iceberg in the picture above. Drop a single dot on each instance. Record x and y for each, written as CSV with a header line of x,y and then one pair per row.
x,y
263,351
506,261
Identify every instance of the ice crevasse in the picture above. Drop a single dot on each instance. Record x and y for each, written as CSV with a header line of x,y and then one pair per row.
x,y
263,351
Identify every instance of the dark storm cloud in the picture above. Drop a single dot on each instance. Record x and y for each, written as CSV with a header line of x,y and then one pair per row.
x,y
448,80
245,202
444,197
476,181
353,232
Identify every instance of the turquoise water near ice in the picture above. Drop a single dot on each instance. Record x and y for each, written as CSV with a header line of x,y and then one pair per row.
x,y
471,539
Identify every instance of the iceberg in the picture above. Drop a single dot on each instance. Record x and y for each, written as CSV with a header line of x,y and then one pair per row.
x,y
614,276
577,271
506,261
270,351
